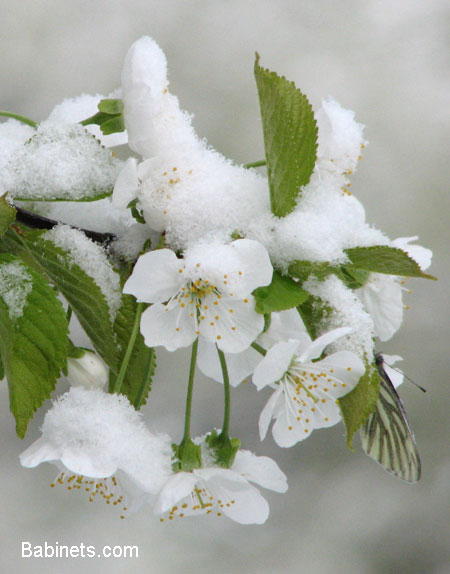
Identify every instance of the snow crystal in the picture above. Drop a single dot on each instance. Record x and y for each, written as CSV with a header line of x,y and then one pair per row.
x,y
91,258
15,285
13,134
347,311
340,138
60,161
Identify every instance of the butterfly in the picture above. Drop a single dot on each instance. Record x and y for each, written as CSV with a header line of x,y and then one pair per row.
x,y
386,436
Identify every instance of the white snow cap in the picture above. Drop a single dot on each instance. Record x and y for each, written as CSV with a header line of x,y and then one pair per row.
x,y
196,195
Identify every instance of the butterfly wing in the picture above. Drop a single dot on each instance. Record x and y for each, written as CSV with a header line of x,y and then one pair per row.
x,y
387,437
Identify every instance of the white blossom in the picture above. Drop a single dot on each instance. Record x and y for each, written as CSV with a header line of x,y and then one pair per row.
x,y
223,491
306,391
207,293
101,446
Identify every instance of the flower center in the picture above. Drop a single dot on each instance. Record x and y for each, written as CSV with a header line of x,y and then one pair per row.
x,y
200,501
106,488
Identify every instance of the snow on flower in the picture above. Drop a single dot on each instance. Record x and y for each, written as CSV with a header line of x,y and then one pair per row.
x,y
223,491
306,391
183,186
382,295
207,293
101,446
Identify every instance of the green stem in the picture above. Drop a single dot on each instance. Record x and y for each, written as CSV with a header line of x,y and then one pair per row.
x,y
259,163
258,348
22,119
187,416
226,386
127,356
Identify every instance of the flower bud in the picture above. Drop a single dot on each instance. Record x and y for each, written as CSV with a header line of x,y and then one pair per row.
x,y
87,371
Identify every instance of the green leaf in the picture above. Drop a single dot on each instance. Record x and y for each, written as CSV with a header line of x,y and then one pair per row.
x,y
303,269
110,106
80,290
141,367
360,402
313,311
113,126
7,215
386,259
283,293
290,138
33,340
353,277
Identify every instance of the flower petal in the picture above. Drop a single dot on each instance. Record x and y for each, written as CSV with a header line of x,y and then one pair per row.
x,y
127,184
89,464
40,451
176,488
382,298
275,364
239,365
171,328
317,346
267,414
157,276
232,324
260,469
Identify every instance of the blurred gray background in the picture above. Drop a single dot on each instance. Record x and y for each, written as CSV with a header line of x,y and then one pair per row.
x,y
388,61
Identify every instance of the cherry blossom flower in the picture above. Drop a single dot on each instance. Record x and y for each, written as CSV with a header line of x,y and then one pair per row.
x,y
223,491
382,295
207,293
101,446
306,391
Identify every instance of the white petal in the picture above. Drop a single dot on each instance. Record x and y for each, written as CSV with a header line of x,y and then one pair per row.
x,y
239,365
237,268
127,183
171,328
284,325
317,346
90,464
40,451
274,365
382,298
394,374
241,502
287,430
177,487
268,412
157,276
343,367
255,264
260,469
232,324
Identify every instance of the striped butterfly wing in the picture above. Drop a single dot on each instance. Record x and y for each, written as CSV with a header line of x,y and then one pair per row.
x,y
386,436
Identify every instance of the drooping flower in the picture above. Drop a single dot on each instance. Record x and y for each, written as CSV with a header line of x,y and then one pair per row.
x,y
223,491
306,391
101,446
207,293
382,295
